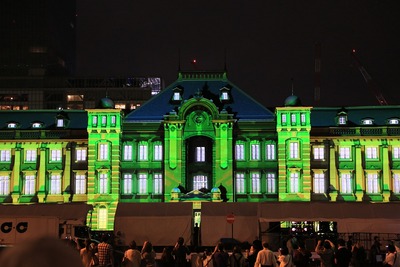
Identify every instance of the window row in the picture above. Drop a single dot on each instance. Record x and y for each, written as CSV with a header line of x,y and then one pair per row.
x,y
254,151
104,120
143,151
345,152
54,155
293,119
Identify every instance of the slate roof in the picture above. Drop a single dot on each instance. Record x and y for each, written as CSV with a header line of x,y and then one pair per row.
x,y
326,116
243,106
77,119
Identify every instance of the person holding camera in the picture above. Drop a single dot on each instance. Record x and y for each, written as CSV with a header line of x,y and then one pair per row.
x,y
326,252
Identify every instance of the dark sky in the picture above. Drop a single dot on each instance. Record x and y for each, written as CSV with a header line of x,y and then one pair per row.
x,y
267,44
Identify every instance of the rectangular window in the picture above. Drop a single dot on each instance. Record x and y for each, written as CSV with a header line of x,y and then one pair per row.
x,y
29,186
55,184
55,155
319,152
255,183
293,119
5,155
113,120
80,184
294,182
103,120
142,183
200,154
294,150
158,152
200,181
30,155
240,183
102,218
157,184
342,120
94,120
396,183
81,154
4,185
319,183
143,153
344,153
239,151
255,151
303,119
60,123
283,118
371,152
127,152
345,183
103,151
127,184
270,152
103,183
372,183
271,183
396,152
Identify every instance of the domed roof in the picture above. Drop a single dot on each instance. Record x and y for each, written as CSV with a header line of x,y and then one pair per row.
x,y
175,190
215,190
292,101
106,102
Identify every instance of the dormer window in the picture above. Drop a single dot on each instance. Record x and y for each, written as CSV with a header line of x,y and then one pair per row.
x,y
177,95
367,121
394,121
12,125
37,125
342,120
224,94
61,120
60,123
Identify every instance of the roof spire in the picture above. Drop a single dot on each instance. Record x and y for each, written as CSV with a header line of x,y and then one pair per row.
x,y
292,86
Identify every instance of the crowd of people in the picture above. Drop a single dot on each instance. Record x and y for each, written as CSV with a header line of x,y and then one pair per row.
x,y
47,252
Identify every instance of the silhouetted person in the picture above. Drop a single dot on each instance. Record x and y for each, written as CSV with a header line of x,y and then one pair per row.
x,y
223,191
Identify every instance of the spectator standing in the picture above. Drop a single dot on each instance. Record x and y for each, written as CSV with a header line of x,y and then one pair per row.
x,y
301,256
375,252
180,252
148,255
342,255
254,249
237,259
87,254
326,251
132,256
220,257
105,253
284,258
266,258
167,259
391,257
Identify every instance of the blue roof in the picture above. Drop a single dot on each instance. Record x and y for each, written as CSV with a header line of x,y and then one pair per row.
x,y
243,106
326,116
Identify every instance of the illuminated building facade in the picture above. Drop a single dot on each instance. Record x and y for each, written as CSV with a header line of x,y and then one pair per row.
x,y
200,140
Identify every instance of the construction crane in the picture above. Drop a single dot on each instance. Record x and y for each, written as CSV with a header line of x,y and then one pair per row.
x,y
368,79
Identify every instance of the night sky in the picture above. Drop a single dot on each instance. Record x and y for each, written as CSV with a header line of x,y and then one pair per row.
x,y
267,43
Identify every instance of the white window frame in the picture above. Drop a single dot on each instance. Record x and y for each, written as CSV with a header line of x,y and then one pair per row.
x,y
81,154
255,183
200,181
157,183
4,185
5,155
142,183
200,154
60,123
342,120
396,152
346,183
294,182
239,151
293,119
270,152
396,183
30,155
371,152
271,183
158,152
113,120
143,151
80,184
224,95
55,155
255,151
29,184
103,151
103,183
319,152
55,184
240,183
345,152
319,183
102,218
127,183
128,152
372,183
302,119
294,152
94,120
103,120
284,118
